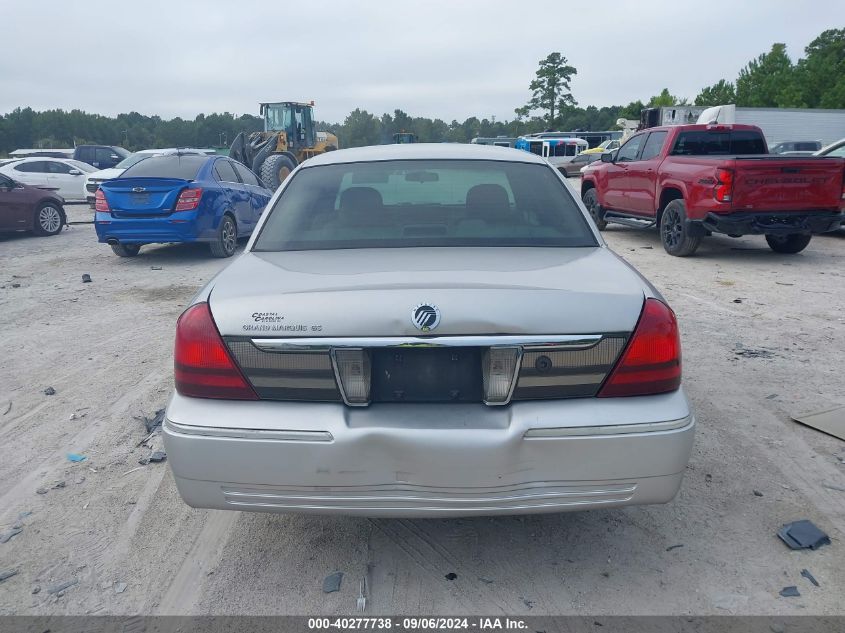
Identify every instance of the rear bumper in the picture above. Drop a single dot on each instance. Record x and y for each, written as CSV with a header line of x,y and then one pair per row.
x,y
781,223
429,460
176,227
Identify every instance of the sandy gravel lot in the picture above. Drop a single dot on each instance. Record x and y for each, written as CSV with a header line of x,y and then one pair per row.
x,y
105,348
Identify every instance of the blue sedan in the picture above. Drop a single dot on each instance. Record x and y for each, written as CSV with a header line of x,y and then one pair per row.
x,y
180,198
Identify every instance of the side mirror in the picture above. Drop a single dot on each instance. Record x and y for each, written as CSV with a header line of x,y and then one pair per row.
x,y
607,157
75,172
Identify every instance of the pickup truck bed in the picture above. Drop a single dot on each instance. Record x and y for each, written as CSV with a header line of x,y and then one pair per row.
x,y
785,198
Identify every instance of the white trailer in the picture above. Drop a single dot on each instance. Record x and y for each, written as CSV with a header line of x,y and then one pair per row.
x,y
783,124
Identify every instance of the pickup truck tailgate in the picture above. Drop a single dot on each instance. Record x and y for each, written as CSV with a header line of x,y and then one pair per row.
x,y
788,184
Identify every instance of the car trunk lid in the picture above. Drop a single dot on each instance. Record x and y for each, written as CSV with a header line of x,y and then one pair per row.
x,y
143,196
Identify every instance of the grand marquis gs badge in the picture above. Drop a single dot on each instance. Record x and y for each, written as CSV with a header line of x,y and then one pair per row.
x,y
425,317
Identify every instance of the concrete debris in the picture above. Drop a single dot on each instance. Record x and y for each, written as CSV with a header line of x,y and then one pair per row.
x,y
12,531
36,589
60,484
158,456
331,583
120,587
41,491
59,588
8,408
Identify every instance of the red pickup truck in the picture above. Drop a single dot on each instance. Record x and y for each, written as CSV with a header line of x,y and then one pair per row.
x,y
696,180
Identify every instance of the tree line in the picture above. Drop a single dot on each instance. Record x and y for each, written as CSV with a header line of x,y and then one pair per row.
x,y
771,79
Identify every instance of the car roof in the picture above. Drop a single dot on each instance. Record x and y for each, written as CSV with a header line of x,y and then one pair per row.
x,y
424,151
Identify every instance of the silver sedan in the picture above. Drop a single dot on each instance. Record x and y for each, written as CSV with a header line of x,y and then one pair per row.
x,y
427,330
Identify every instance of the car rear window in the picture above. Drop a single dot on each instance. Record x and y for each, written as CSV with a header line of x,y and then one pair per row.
x,y
394,204
714,143
169,166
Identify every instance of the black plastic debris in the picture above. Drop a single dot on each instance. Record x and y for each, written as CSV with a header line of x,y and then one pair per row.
x,y
806,574
671,547
331,583
451,576
803,535
86,278
790,592
151,424
158,456
7,573
49,391
757,493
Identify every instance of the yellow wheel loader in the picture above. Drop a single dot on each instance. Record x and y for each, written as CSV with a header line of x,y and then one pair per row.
x,y
288,139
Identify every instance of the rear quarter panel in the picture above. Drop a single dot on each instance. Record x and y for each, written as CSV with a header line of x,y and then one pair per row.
x,y
694,177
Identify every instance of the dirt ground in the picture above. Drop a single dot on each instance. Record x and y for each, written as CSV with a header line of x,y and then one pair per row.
x,y
763,335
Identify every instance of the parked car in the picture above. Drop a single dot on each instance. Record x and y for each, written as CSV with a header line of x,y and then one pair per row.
x,y
427,330
179,198
796,147
836,149
63,175
100,156
573,167
606,146
695,180
95,179
26,208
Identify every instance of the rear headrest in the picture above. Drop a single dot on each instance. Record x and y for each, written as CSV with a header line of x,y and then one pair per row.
x,y
488,202
361,199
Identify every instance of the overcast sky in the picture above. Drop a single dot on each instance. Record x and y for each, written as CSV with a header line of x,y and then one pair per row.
x,y
449,59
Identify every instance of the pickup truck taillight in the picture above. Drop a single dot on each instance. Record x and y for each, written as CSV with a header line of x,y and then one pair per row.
x,y
723,190
651,363
203,367
100,202
188,200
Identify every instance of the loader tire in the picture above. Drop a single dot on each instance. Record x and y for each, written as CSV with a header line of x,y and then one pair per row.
x,y
275,169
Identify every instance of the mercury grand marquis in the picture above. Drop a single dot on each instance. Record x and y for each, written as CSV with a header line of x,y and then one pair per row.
x,y
427,330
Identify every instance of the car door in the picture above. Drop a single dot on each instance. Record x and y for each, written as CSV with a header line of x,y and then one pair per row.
x,y
259,196
239,200
15,205
642,175
66,179
32,172
617,180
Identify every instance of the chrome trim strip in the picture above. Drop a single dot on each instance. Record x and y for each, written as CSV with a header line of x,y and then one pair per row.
x,y
249,434
531,341
615,429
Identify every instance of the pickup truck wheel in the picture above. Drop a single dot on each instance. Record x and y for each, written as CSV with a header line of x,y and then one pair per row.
x,y
674,232
126,250
793,243
591,201
227,238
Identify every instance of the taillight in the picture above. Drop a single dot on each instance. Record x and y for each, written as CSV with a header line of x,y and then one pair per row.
x,y
723,191
188,200
100,202
651,363
203,367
